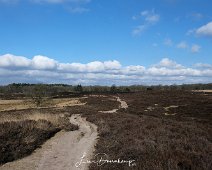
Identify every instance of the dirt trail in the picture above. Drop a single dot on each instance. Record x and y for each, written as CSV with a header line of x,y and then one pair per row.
x,y
62,151
123,105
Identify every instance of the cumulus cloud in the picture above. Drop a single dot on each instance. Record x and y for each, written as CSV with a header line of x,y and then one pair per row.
x,y
205,30
95,66
112,65
173,72
12,61
166,62
43,63
16,62
195,48
43,69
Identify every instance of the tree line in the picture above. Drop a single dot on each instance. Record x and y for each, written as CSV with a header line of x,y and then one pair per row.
x,y
63,89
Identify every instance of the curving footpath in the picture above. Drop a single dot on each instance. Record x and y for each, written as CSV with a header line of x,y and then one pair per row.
x,y
65,150
62,151
123,105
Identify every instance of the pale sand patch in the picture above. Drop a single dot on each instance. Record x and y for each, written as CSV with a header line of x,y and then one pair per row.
x,y
204,91
109,111
170,114
6,105
167,109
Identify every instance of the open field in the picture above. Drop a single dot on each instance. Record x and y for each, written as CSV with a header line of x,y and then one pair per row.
x,y
158,129
29,103
180,139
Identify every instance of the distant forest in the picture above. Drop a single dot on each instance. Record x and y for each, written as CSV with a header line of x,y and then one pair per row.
x,y
62,90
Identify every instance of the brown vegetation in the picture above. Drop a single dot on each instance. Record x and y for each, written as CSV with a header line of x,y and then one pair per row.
x,y
159,130
19,139
22,131
156,140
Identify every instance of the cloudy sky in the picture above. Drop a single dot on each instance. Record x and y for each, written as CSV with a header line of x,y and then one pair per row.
x,y
106,42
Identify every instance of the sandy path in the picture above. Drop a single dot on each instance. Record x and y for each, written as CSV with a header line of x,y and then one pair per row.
x,y
123,105
62,151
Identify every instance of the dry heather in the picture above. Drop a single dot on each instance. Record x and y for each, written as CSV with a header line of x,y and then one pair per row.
x,y
19,139
178,140
153,139
22,131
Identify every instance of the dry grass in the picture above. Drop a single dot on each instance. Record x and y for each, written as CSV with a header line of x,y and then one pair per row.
x,y
6,105
35,115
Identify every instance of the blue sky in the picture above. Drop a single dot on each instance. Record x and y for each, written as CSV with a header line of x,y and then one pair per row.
x,y
133,33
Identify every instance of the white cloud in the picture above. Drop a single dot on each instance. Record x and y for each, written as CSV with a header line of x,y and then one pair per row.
x,y
205,30
139,29
150,16
133,70
112,65
95,66
182,45
195,48
203,65
12,61
43,69
144,13
43,63
149,19
166,62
